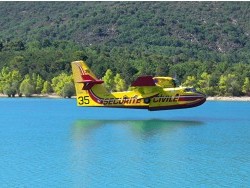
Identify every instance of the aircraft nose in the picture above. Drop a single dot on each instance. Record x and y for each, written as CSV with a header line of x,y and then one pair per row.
x,y
203,97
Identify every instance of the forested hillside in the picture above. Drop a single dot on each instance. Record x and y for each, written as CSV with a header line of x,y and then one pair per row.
x,y
205,44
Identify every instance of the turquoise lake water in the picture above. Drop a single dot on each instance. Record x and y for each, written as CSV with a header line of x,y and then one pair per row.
x,y
53,143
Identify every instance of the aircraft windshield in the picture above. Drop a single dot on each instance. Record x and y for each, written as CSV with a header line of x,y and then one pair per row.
x,y
190,89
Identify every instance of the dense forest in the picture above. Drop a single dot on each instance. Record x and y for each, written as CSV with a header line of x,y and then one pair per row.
x,y
203,44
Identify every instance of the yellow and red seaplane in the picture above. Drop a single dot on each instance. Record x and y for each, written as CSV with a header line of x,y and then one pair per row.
x,y
146,92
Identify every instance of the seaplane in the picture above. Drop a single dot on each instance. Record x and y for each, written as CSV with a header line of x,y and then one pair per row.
x,y
146,92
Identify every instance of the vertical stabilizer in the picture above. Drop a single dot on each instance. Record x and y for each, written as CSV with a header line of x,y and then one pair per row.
x,y
88,88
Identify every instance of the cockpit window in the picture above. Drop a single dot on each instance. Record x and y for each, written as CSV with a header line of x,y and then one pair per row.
x,y
190,89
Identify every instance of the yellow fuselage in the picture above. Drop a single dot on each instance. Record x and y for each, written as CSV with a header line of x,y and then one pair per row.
x,y
168,98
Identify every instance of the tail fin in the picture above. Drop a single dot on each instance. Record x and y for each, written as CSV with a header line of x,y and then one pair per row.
x,y
89,89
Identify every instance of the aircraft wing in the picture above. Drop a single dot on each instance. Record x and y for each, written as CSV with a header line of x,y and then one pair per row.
x,y
145,87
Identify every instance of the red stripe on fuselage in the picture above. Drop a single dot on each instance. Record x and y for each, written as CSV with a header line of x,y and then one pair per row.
x,y
95,97
190,98
179,106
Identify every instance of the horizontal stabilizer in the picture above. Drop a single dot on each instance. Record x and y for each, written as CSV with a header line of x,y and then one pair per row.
x,y
89,82
144,81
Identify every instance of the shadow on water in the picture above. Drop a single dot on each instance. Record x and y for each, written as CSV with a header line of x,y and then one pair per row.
x,y
143,127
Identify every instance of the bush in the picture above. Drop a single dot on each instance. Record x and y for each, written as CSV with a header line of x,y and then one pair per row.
x,y
68,90
26,87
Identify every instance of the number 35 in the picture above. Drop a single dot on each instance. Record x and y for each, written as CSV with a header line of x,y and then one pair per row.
x,y
83,100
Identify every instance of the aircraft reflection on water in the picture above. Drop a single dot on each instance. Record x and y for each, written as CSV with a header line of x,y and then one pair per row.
x,y
144,127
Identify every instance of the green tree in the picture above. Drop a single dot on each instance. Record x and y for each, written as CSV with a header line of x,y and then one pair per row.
x,y
191,81
61,84
246,86
80,55
27,88
68,90
229,86
9,90
119,83
18,62
109,80
204,84
39,84
4,78
46,88
222,85
1,46
162,69
10,81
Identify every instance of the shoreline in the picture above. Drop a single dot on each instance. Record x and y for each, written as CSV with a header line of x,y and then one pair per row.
x,y
48,96
54,96
219,98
